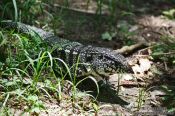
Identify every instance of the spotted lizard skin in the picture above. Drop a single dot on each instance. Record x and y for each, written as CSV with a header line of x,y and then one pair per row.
x,y
99,60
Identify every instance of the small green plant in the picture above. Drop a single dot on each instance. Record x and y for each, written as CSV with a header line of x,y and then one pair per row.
x,y
99,6
96,108
5,111
166,51
141,98
123,30
66,3
114,7
34,104
20,10
108,36
169,99
169,13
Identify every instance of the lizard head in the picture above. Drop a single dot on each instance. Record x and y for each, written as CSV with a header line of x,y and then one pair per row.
x,y
106,62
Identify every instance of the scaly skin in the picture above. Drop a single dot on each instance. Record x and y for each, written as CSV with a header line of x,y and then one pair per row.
x,y
102,61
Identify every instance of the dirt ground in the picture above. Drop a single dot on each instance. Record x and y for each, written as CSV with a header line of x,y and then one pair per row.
x,y
145,24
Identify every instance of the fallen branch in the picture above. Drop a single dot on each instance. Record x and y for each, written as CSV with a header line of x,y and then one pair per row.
x,y
81,11
157,54
132,84
128,49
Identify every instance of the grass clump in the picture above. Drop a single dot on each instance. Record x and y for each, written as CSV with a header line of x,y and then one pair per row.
x,y
23,10
165,52
27,76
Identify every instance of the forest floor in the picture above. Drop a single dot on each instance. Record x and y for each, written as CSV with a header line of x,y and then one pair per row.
x,y
145,27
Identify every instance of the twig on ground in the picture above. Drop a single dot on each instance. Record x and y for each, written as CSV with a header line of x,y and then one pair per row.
x,y
128,49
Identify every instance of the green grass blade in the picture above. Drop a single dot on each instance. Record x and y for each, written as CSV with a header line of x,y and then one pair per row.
x,y
7,97
93,79
16,10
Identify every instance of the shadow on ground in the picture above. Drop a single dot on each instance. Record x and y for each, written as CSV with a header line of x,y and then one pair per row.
x,y
107,94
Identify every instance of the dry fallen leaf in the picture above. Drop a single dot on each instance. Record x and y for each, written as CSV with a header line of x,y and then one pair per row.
x,y
145,64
